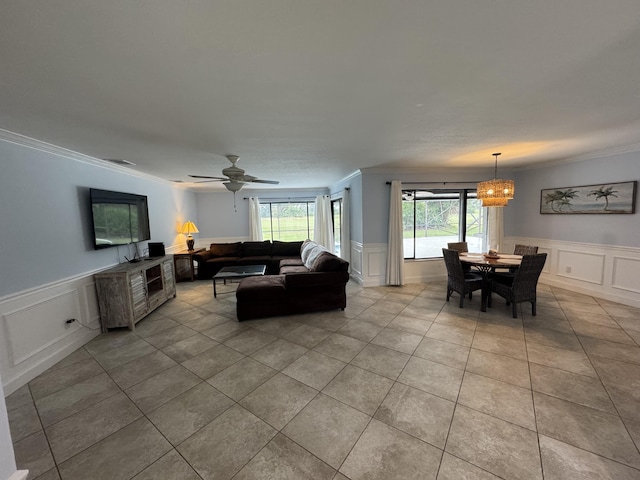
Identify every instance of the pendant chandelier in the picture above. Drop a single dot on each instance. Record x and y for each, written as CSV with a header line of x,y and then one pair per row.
x,y
496,192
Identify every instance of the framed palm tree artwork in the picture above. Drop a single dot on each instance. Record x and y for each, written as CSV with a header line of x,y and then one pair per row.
x,y
604,198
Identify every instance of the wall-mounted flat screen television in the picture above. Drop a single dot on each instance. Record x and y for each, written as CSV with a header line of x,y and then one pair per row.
x,y
118,218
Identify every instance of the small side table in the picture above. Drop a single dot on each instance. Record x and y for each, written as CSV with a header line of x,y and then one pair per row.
x,y
184,266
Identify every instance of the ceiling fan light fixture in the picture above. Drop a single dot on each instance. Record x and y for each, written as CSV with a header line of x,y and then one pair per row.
x,y
233,186
496,192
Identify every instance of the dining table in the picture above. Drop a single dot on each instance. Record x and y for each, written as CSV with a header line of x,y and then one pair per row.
x,y
486,264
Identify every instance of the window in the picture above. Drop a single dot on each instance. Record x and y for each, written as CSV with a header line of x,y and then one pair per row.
x,y
287,221
336,211
433,218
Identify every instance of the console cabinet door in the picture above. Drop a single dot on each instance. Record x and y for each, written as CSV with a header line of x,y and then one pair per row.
x,y
138,290
169,279
115,308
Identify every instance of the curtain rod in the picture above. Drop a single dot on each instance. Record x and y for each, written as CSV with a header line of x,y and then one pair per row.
x,y
335,193
437,183
304,199
284,199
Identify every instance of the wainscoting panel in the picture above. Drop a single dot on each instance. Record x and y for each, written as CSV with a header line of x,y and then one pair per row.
x,y
586,267
35,334
549,262
602,271
356,262
91,311
35,327
374,264
625,274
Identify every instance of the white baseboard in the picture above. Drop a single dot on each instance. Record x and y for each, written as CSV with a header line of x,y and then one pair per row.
x,y
19,475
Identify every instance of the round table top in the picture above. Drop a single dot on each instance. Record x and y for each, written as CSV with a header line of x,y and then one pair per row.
x,y
503,260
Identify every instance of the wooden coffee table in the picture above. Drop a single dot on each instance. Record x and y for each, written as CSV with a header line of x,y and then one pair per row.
x,y
231,273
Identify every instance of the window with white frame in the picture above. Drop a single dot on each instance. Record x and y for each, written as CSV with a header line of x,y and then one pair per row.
x,y
432,218
287,221
336,211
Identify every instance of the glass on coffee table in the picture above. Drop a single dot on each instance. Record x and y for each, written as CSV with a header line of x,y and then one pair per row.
x,y
238,272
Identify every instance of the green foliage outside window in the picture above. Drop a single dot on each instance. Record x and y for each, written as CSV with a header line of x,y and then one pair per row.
x,y
432,219
287,222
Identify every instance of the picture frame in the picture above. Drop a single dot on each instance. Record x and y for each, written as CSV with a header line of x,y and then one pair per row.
x,y
602,198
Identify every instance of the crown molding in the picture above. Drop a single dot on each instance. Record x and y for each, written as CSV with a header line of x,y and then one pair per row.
x,y
28,142
351,176
427,169
603,153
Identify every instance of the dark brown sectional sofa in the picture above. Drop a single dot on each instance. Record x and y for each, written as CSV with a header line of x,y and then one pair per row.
x,y
315,281
266,253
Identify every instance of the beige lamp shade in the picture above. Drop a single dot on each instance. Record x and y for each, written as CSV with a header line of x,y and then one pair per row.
x,y
189,227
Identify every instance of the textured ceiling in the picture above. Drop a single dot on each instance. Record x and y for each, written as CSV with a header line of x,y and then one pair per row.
x,y
306,92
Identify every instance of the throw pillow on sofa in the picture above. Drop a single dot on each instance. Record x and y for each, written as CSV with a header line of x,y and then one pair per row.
x,y
305,250
256,249
285,249
226,249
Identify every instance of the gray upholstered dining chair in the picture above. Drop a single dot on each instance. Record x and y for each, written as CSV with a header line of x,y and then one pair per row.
x,y
521,287
457,280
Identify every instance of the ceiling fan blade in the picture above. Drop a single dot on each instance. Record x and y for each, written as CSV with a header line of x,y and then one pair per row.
x,y
205,176
209,181
273,182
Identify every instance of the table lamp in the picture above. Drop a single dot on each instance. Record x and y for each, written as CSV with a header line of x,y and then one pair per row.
x,y
188,228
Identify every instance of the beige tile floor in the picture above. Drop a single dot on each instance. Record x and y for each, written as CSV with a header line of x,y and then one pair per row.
x,y
400,385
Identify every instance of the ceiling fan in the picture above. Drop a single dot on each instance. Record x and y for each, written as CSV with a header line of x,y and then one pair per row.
x,y
235,176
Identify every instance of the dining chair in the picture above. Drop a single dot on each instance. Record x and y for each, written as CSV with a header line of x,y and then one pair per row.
x,y
521,287
460,247
457,280
518,250
525,250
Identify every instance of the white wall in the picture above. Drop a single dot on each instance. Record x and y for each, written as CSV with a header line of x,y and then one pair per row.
x,y
46,220
354,183
523,218
219,221
46,249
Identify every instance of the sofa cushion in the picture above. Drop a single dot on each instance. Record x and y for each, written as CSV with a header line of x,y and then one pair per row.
x,y
285,249
291,262
226,249
256,249
328,262
286,269
268,287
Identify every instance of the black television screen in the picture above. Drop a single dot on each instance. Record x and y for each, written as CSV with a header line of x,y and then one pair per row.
x,y
118,218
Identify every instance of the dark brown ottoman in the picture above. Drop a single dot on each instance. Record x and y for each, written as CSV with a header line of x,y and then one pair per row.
x,y
259,297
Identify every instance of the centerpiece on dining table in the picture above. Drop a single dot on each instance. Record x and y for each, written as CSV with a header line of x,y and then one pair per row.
x,y
492,253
